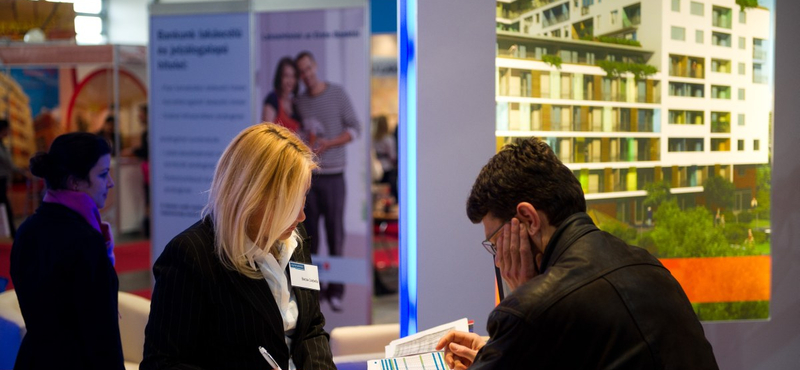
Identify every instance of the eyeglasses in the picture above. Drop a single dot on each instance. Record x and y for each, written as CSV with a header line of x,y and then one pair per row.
x,y
488,245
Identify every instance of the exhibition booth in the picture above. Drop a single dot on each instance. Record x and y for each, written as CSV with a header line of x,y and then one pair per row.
x,y
648,146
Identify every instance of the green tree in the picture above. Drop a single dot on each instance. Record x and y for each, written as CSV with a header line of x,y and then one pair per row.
x,y
687,233
657,193
718,193
744,4
763,190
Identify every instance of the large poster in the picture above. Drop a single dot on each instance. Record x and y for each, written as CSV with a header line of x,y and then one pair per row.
x,y
312,76
663,110
200,80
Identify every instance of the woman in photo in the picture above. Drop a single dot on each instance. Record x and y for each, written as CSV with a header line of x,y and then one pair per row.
x,y
62,262
223,288
279,105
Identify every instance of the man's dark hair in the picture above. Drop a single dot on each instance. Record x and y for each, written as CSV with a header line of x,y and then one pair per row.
x,y
278,80
72,154
305,54
525,170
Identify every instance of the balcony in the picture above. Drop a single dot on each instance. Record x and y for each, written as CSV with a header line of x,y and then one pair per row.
x,y
721,122
721,17
684,117
721,92
685,66
686,90
632,16
685,145
555,15
720,145
721,39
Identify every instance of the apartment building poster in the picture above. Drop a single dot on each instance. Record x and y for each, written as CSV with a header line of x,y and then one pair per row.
x,y
312,73
663,110
200,80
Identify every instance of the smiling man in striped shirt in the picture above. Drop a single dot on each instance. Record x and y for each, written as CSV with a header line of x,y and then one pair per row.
x,y
327,106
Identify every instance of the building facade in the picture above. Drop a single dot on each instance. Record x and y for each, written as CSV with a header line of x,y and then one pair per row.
x,y
628,92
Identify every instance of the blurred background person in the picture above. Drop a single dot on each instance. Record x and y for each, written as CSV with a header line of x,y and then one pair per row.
x,y
329,105
386,150
222,286
143,153
7,171
107,132
62,262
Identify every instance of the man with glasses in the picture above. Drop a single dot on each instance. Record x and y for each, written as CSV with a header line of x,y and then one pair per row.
x,y
580,297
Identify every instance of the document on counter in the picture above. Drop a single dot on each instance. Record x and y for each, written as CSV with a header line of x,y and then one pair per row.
x,y
426,361
424,341
418,351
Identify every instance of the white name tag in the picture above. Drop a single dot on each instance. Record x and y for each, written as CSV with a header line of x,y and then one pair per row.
x,y
304,276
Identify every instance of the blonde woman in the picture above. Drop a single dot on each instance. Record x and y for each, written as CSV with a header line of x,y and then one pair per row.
x,y
223,288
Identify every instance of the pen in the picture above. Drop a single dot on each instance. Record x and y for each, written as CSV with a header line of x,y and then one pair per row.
x,y
271,361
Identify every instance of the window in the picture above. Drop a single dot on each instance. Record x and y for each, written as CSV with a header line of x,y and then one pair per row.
x,y
741,119
614,16
741,94
698,36
742,43
742,68
537,18
678,33
740,145
697,9
676,5
756,145
742,17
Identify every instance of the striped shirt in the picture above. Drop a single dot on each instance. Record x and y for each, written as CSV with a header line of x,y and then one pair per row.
x,y
334,113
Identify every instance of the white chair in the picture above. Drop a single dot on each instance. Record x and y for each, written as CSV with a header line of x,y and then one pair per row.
x,y
133,311
352,344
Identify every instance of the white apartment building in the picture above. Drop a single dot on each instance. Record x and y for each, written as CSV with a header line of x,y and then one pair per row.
x,y
705,112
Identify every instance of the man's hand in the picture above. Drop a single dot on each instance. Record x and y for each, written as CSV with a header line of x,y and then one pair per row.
x,y
515,256
321,145
460,348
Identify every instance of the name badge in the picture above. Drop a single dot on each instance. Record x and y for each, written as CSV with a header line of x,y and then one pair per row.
x,y
304,276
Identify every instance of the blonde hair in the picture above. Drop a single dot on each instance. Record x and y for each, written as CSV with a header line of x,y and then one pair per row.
x,y
265,167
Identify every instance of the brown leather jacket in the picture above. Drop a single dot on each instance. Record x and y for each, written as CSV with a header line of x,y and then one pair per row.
x,y
600,304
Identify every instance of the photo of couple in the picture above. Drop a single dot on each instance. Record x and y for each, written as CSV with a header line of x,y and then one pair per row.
x,y
316,87
322,116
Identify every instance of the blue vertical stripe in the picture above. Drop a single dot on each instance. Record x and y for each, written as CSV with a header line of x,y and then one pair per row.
x,y
408,167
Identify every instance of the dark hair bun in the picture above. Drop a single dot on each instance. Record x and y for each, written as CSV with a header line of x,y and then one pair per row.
x,y
42,164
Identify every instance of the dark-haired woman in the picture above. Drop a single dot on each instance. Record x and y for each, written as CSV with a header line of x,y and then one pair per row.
x,y
62,262
279,104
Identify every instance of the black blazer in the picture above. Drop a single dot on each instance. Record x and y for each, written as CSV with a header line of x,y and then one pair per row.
x,y
67,290
205,316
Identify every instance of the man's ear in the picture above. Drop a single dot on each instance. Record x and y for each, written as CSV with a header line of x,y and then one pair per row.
x,y
527,214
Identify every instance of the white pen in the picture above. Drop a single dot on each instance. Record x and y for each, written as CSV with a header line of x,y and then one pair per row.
x,y
271,361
